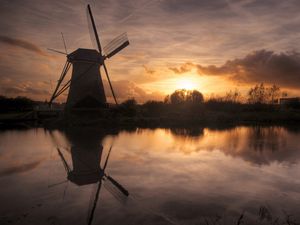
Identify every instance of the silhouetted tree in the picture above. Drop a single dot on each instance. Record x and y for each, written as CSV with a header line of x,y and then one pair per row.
x,y
153,108
273,93
128,107
263,95
183,95
178,96
15,104
257,94
232,96
194,97
167,99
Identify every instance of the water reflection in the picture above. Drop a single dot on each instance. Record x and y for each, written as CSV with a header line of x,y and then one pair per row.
x,y
257,144
175,176
86,153
19,168
195,132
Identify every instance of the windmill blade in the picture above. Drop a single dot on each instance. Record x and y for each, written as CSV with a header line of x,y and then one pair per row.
x,y
63,89
91,214
115,192
68,83
94,29
118,185
116,45
113,181
66,166
110,85
53,50
62,36
62,76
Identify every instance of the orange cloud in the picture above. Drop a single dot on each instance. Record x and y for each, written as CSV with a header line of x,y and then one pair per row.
x,y
259,66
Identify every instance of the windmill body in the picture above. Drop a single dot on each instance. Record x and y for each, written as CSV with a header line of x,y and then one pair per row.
x,y
86,87
86,165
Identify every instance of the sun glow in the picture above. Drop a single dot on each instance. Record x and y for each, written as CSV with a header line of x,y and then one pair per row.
x,y
205,84
186,83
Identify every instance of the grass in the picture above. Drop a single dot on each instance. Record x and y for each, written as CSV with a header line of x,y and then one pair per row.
x,y
264,216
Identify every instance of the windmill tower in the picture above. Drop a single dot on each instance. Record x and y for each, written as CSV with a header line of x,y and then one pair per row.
x,y
86,89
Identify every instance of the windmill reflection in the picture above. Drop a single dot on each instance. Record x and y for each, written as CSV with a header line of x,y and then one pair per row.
x,y
86,153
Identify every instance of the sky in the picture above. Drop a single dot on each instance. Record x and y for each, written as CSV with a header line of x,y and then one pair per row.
x,y
212,46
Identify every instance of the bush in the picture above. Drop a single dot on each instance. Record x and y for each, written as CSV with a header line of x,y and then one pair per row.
x,y
153,108
15,104
128,108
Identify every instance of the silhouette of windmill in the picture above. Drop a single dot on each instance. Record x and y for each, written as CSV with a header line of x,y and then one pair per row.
x,y
87,170
86,89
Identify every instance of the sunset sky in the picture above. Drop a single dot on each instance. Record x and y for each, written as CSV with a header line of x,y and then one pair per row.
x,y
213,46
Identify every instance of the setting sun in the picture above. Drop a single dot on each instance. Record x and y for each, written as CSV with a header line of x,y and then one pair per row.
x,y
186,84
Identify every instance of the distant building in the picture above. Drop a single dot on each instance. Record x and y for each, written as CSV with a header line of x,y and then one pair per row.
x,y
44,106
289,101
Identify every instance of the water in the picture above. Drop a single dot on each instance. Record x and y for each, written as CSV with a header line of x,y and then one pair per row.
x,y
174,176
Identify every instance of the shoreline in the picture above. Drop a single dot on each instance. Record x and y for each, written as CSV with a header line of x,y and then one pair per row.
x,y
211,121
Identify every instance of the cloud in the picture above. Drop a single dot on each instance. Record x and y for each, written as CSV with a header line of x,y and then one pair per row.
x,y
22,44
126,89
149,70
259,66
187,67
34,90
162,33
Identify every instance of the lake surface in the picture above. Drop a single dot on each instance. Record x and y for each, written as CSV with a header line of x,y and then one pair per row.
x,y
173,176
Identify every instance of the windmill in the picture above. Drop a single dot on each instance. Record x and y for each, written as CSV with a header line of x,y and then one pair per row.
x,y
86,89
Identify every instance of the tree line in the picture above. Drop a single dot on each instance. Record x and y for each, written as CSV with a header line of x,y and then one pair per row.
x,y
16,104
185,102
258,94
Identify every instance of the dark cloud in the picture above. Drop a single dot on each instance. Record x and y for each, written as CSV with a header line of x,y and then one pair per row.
x,y
259,66
22,44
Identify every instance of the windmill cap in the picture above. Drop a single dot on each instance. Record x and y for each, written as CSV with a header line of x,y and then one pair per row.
x,y
88,55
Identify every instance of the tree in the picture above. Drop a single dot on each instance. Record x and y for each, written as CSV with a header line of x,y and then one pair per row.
x,y
232,96
273,93
183,95
167,99
194,96
257,94
128,107
178,96
16,104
